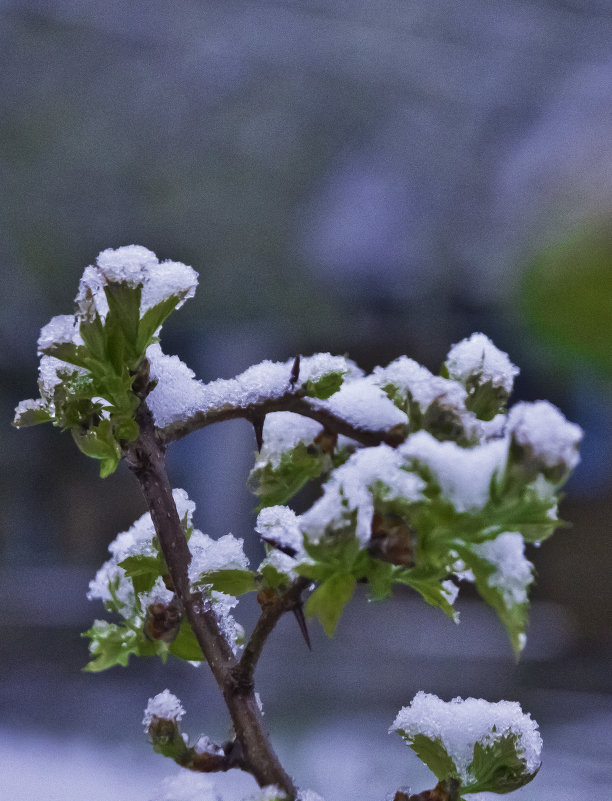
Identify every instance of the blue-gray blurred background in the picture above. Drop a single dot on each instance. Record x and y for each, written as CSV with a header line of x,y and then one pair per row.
x,y
365,178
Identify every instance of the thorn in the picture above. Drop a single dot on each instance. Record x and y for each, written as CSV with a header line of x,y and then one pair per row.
x,y
258,424
295,371
298,611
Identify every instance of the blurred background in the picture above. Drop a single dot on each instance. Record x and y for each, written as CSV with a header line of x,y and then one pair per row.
x,y
364,178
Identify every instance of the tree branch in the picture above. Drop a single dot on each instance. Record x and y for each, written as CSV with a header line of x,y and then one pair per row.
x,y
271,612
292,401
145,458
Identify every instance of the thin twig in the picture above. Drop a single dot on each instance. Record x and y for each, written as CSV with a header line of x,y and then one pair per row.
x,y
271,612
293,401
145,458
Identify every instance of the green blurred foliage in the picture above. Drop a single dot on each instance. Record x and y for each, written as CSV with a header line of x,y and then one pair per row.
x,y
566,296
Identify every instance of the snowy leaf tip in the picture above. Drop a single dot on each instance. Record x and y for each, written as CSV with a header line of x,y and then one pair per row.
x,y
493,747
165,706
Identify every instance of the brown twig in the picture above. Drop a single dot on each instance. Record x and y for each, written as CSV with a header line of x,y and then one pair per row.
x,y
292,401
145,458
272,610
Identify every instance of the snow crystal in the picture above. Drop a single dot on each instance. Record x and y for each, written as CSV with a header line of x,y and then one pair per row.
x,y
51,372
222,604
134,265
477,358
282,431
164,705
279,526
349,488
545,434
282,562
363,405
158,594
110,575
423,386
209,555
319,364
450,591
177,394
460,724
187,786
269,793
204,745
513,572
309,795
59,329
463,474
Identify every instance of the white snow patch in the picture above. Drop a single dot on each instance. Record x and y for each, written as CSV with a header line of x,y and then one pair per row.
x,y
164,705
463,474
363,405
460,724
543,431
477,357
513,571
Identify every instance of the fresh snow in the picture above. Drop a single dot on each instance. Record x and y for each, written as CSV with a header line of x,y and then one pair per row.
x,y
363,405
513,571
134,265
463,474
477,357
164,705
545,434
350,489
460,724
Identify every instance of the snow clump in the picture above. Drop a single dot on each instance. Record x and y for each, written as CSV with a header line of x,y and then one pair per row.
x,y
477,358
135,266
545,435
165,706
459,724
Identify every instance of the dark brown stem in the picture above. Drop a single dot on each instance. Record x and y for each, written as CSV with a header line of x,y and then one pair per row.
x,y
271,611
145,458
447,790
291,401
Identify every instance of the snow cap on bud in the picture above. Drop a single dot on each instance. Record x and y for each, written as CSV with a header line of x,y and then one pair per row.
x,y
164,706
486,373
477,359
136,266
546,440
486,746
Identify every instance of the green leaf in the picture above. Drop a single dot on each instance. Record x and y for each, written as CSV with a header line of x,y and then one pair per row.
x,y
152,319
276,486
113,644
143,570
124,308
514,617
36,413
434,755
185,645
72,354
485,399
325,386
97,442
108,466
231,582
430,588
128,430
329,599
273,578
497,767
334,553
92,333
